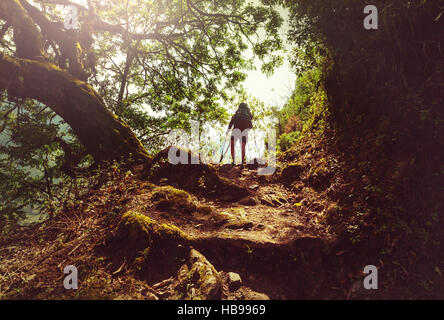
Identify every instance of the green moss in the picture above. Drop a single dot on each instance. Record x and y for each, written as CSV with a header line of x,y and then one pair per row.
x,y
167,231
138,225
168,199
172,198
294,167
141,226
143,239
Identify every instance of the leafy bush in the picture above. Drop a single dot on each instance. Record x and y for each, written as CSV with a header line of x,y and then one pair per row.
x,y
287,140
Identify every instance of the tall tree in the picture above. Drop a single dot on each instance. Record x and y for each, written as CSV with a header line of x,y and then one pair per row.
x,y
176,56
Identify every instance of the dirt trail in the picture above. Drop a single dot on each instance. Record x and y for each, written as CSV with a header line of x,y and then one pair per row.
x,y
270,220
273,244
269,215
264,237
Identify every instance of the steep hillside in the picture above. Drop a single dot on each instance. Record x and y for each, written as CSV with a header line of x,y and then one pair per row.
x,y
303,233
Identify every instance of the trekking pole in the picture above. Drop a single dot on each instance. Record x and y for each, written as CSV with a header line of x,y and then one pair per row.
x,y
224,153
222,144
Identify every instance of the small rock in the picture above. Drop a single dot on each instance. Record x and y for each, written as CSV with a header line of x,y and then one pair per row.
x,y
254,187
256,296
234,281
249,201
292,171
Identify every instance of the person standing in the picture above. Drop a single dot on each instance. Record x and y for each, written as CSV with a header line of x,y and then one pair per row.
x,y
241,122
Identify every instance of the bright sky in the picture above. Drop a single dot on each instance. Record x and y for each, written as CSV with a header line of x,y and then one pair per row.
x,y
273,91
276,90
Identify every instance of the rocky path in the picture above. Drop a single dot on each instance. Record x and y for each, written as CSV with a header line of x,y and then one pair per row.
x,y
267,239
270,215
264,237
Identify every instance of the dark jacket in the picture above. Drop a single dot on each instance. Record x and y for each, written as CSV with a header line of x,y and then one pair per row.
x,y
242,119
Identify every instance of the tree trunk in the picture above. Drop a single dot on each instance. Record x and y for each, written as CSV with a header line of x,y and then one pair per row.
x,y
31,75
104,135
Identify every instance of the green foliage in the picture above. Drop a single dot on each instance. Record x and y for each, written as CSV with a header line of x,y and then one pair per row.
x,y
308,103
194,57
384,87
387,78
31,160
287,140
156,64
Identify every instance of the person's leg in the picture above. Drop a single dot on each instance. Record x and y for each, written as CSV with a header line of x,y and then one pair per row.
x,y
244,143
232,149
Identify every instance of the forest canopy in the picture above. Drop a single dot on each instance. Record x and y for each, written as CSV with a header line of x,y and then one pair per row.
x,y
90,89
118,81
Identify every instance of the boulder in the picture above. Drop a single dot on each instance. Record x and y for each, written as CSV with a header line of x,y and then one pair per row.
x,y
234,281
192,176
199,280
292,172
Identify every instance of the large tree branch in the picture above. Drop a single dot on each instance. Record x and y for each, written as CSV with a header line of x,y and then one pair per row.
x,y
131,54
27,38
104,135
68,43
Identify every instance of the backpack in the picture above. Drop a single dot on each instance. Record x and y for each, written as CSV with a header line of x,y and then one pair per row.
x,y
243,114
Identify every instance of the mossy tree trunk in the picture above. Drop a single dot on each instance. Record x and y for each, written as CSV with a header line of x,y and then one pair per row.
x,y
103,134
29,74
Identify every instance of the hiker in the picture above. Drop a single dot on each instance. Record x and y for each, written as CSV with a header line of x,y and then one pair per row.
x,y
241,124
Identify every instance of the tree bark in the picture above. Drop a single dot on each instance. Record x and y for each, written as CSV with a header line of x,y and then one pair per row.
x,y
30,75
103,134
